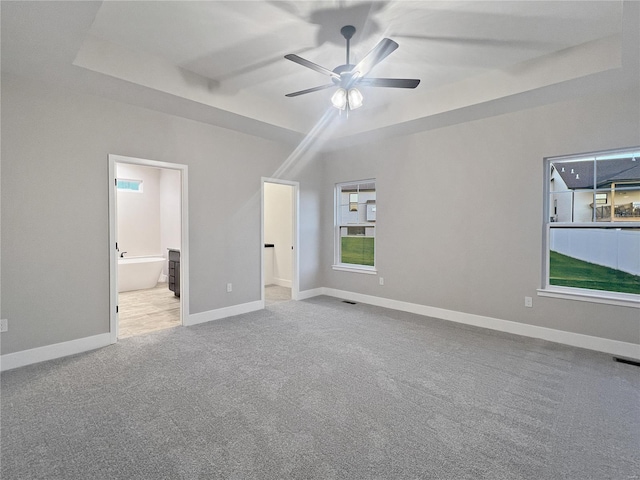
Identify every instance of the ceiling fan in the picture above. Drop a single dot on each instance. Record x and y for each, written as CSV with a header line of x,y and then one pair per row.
x,y
348,76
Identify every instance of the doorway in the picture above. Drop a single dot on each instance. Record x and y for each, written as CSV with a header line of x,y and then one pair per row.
x,y
280,241
148,231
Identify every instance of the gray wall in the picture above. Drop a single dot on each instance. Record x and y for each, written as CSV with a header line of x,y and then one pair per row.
x,y
459,213
459,210
55,249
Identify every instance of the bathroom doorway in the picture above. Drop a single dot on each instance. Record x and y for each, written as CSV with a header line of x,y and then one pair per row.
x,y
279,238
148,246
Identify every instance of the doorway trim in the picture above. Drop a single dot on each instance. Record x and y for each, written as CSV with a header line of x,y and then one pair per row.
x,y
295,273
184,234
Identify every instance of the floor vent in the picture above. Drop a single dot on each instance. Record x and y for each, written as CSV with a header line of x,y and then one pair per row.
x,y
349,302
628,361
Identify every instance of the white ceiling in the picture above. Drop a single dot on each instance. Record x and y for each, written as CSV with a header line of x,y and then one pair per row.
x,y
222,62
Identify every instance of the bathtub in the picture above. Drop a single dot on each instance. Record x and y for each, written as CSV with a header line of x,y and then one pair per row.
x,y
137,273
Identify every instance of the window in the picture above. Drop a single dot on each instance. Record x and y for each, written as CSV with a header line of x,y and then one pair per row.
x,y
126,185
355,226
592,212
353,202
601,198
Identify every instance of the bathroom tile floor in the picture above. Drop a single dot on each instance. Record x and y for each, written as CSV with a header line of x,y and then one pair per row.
x,y
276,294
144,311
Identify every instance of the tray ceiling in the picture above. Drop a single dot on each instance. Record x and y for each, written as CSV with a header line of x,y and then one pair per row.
x,y
223,61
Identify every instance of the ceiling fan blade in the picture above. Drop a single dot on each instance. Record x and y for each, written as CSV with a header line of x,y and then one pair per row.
x,y
309,90
484,42
313,66
385,47
389,82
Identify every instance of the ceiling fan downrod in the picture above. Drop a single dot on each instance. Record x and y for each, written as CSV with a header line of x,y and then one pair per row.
x,y
347,32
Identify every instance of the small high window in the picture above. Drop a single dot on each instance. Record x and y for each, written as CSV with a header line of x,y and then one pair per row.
x,y
128,185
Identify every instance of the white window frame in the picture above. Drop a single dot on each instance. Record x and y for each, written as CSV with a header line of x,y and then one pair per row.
x,y
351,267
574,293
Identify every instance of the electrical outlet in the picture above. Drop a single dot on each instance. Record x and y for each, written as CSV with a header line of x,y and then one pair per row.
x,y
381,280
229,287
528,302
4,325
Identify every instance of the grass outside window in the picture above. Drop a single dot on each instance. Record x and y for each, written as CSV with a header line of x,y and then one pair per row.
x,y
567,271
357,250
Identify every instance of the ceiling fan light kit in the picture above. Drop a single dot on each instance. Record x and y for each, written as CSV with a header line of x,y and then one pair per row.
x,y
339,99
347,100
355,99
347,77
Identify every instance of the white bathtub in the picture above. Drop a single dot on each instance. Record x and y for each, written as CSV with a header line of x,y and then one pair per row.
x,y
137,273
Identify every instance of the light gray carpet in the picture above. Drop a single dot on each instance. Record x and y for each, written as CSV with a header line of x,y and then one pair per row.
x,y
324,390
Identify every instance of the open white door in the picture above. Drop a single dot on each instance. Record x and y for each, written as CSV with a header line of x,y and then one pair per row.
x,y
279,239
114,251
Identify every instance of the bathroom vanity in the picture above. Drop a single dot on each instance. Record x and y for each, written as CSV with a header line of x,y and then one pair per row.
x,y
174,271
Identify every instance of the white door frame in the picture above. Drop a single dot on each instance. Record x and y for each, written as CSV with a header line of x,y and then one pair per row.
x,y
113,256
295,273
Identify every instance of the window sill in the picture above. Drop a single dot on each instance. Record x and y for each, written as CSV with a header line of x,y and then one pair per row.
x,y
355,269
592,296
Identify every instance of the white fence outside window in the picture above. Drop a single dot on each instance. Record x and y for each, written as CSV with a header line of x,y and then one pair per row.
x,y
613,248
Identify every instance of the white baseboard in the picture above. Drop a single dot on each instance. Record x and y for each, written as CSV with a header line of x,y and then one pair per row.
x,y
51,352
282,282
220,313
613,347
313,292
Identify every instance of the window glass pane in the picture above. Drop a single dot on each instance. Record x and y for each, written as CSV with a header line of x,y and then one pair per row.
x,y
602,202
356,217
571,190
358,250
603,191
625,198
124,185
618,176
350,212
561,206
353,231
598,188
595,258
